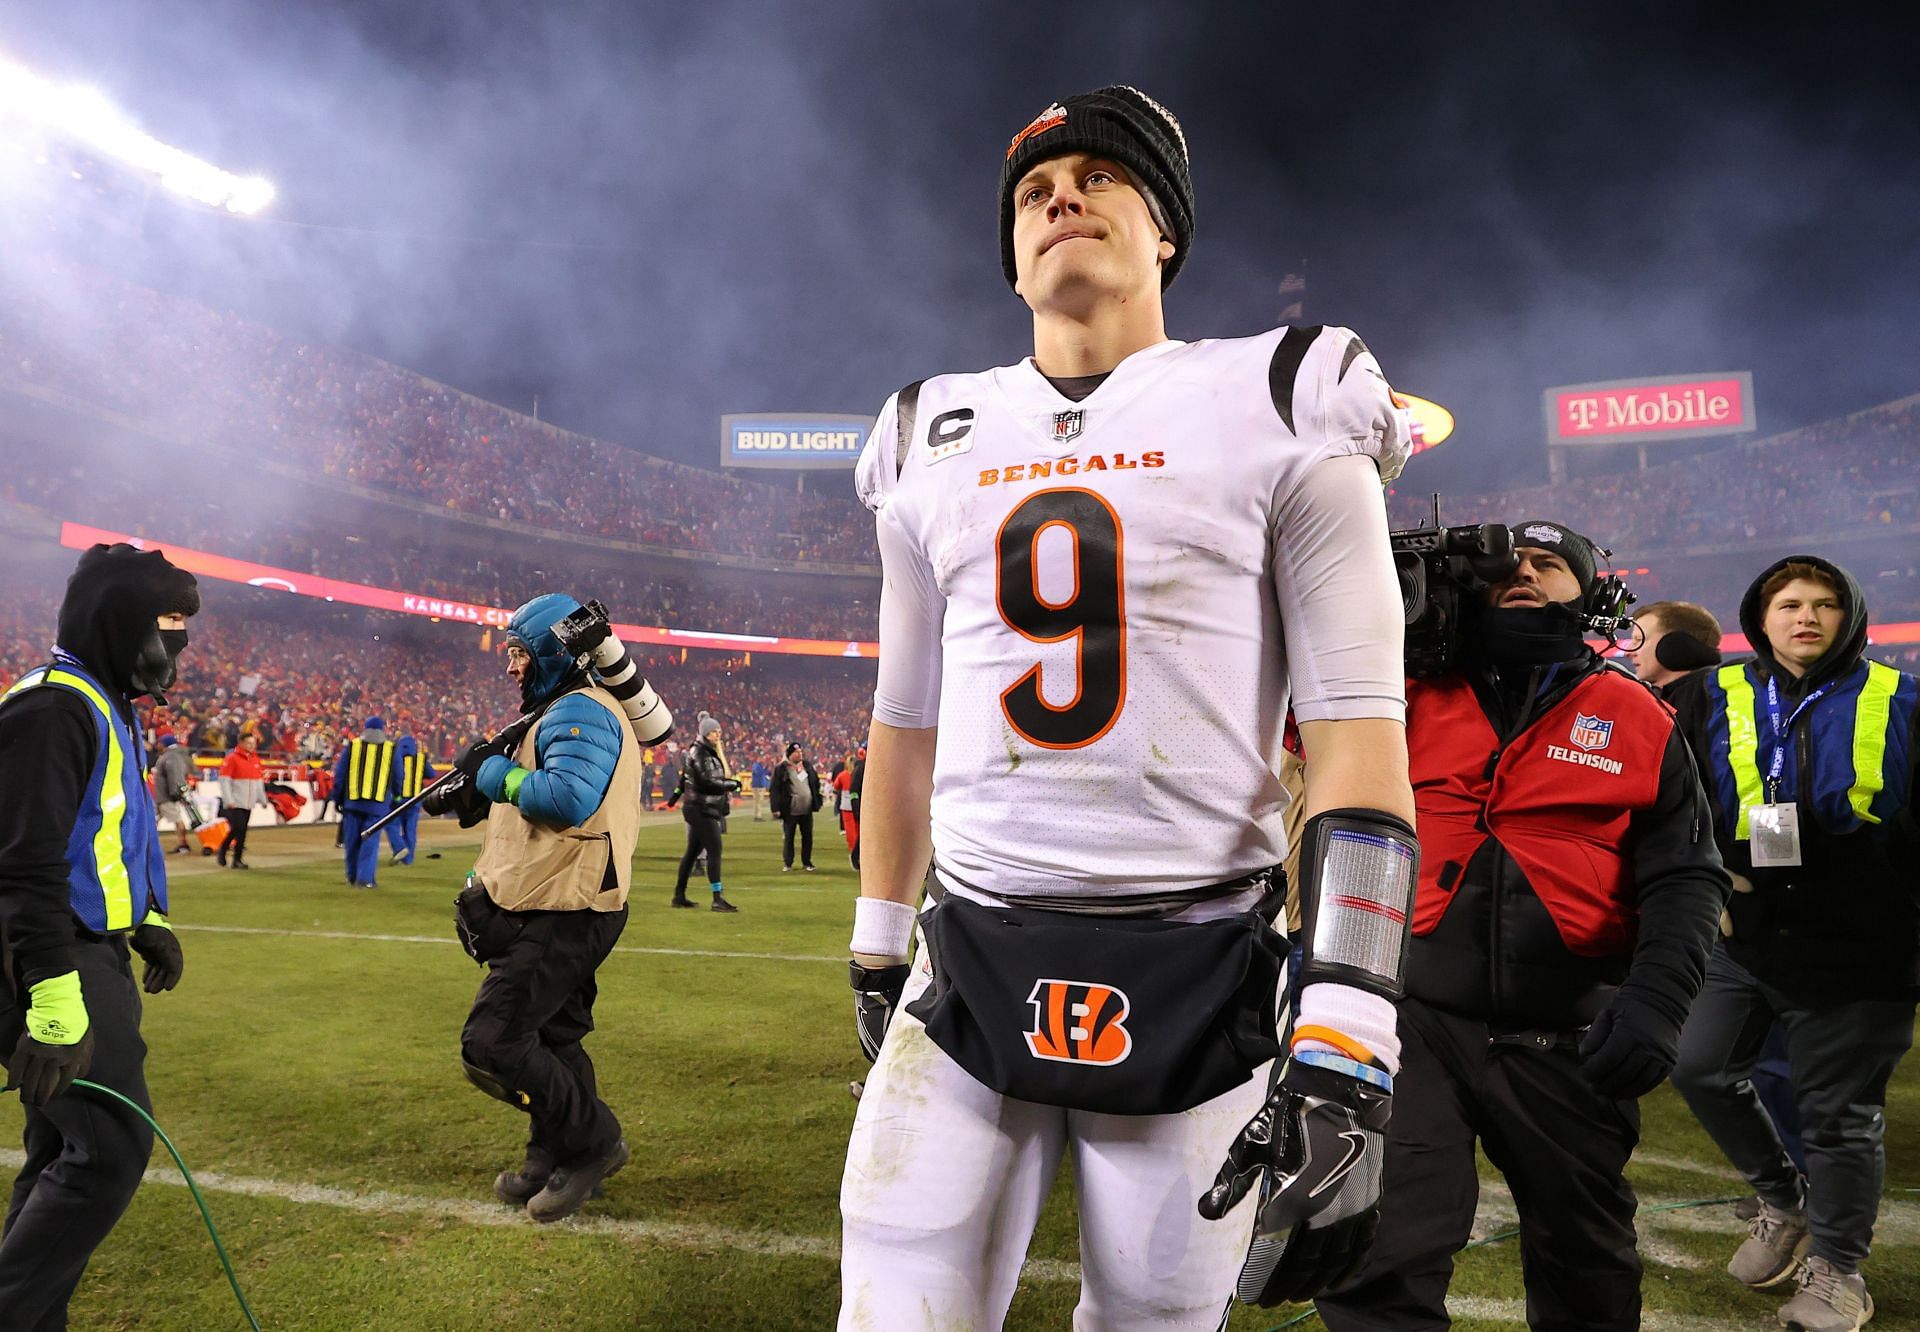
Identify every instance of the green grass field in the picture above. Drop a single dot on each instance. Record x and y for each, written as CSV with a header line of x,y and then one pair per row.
x,y
307,1068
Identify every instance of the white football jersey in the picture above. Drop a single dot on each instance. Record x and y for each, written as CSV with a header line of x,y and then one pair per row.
x,y
1093,602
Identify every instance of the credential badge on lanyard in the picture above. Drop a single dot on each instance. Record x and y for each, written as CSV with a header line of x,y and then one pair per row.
x,y
1775,825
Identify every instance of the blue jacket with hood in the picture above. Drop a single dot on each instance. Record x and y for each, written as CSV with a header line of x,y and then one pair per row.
x,y
579,738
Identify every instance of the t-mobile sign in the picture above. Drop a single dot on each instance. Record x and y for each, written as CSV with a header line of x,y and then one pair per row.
x,y
1646,411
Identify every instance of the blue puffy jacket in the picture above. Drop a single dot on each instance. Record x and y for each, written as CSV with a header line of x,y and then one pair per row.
x,y
578,741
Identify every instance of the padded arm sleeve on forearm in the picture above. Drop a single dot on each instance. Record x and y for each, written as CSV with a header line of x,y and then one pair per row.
x,y
1358,871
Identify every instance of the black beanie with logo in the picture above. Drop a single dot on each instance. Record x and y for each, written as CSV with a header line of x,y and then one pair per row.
x,y
1116,122
1563,541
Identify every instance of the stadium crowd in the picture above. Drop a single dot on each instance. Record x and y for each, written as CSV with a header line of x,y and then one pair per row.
x,y
1867,476
210,376
301,678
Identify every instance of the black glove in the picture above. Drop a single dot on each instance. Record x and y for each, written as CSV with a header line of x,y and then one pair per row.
x,y
469,759
457,795
1628,1051
876,993
1315,1149
42,1072
160,950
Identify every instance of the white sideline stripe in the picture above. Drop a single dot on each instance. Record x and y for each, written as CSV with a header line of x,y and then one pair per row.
x,y
435,939
1515,1311
667,1234
1719,1170
1898,1221
701,1238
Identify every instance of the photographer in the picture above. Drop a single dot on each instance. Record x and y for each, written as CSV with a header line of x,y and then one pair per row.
x,y
1566,905
545,903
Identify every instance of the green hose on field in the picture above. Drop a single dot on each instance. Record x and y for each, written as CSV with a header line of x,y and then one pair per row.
x,y
192,1188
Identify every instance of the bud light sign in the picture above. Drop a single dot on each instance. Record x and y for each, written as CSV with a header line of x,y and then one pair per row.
x,y
1646,411
811,440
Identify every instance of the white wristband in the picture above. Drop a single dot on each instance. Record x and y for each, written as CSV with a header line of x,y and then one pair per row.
x,y
1366,1017
882,927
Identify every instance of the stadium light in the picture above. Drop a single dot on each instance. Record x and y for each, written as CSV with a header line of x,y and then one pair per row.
x,y
87,116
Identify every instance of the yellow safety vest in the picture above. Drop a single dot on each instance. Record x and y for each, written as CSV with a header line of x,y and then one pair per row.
x,y
369,766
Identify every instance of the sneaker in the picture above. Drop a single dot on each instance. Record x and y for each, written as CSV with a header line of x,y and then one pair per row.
x,y
786,869
394,859
241,864
223,860
1776,1241
809,869
1829,1301
722,904
682,902
180,850
567,1190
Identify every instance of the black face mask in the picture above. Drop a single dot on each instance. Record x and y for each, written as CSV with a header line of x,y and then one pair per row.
x,y
1530,635
157,664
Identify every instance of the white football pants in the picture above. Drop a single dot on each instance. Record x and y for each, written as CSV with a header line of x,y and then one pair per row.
x,y
945,1179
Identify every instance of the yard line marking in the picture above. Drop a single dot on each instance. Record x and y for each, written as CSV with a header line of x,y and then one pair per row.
x,y
1711,1169
436,939
1898,1221
667,1234
1515,1311
697,1237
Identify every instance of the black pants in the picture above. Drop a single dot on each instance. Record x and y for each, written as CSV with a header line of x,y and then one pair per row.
x,y
789,822
703,834
1840,1056
85,1153
1562,1148
236,838
533,1010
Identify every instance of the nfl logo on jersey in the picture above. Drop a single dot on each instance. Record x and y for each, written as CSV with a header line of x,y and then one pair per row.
x,y
1590,733
1066,425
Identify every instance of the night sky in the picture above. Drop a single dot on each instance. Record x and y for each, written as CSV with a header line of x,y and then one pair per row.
x,y
652,214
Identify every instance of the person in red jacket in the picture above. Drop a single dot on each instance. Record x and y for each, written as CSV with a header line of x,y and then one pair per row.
x,y
243,784
1569,895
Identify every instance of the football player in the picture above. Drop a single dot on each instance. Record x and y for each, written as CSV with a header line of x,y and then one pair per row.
x,y
1109,567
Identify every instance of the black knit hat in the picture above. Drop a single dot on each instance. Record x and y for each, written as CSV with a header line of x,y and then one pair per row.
x,y
1117,122
1563,541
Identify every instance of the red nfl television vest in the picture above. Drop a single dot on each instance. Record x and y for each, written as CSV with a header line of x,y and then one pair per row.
x,y
1560,799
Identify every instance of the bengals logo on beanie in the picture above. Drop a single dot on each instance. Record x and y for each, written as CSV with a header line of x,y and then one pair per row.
x,y
1121,123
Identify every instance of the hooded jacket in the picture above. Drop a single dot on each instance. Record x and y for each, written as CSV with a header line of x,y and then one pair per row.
x,y
1845,922
48,745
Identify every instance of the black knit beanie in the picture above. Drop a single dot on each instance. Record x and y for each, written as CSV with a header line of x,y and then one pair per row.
x,y
1121,123
1563,541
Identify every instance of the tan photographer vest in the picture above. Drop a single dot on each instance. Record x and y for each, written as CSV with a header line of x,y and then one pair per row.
x,y
529,866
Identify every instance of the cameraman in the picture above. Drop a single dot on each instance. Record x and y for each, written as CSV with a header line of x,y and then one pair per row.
x,y
544,905
1569,889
